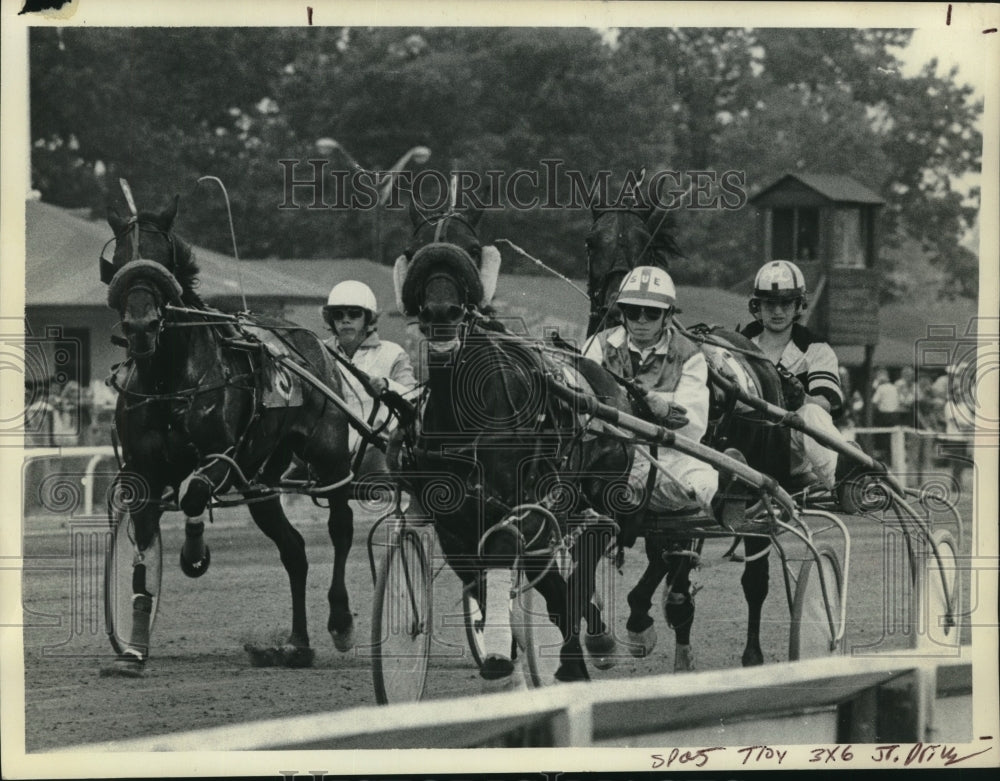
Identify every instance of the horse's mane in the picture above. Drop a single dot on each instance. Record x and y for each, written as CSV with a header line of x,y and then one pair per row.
x,y
664,241
187,272
185,268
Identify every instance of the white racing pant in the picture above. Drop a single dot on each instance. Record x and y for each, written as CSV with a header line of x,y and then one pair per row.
x,y
807,453
691,483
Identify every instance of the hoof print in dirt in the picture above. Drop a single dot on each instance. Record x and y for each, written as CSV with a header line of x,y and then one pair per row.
x,y
279,656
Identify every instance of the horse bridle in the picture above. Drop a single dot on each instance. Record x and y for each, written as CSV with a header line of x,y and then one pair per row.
x,y
439,222
599,295
134,226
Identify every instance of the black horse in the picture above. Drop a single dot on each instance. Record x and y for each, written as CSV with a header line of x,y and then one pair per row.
x,y
508,471
203,408
618,241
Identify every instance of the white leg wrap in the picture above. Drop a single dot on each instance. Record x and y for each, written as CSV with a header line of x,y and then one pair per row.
x,y
497,634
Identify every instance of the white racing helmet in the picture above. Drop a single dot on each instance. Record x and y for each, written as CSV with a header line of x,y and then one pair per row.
x,y
648,286
351,293
779,280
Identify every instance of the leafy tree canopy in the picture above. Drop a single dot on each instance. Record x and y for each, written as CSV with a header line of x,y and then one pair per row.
x,y
162,107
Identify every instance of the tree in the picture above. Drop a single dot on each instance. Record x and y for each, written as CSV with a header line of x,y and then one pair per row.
x,y
163,107
768,101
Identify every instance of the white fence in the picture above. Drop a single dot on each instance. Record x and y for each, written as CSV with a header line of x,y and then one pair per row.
x,y
898,460
820,701
906,461
95,455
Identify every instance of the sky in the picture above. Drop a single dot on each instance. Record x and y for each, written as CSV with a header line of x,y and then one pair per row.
x,y
965,49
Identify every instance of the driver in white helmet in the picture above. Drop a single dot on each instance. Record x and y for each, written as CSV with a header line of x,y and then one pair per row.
x,y
351,312
777,304
672,373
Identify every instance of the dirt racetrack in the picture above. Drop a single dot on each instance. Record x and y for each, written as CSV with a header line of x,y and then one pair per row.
x,y
199,676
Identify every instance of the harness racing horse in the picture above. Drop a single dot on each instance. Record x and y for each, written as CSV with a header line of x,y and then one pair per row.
x,y
203,408
510,474
618,241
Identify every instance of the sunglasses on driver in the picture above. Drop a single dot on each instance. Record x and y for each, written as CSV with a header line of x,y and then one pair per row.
x,y
633,311
341,312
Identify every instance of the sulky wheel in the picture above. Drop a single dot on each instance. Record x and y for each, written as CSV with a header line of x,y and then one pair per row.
x,y
474,618
538,638
124,569
814,630
401,623
936,592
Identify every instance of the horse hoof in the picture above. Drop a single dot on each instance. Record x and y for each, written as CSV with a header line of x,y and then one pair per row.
x,y
752,657
129,664
601,649
570,672
499,674
195,569
641,644
683,659
343,640
496,666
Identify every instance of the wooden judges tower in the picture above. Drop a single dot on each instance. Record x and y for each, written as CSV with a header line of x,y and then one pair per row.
x,y
826,224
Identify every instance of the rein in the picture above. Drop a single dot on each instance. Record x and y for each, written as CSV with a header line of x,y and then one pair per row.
x,y
439,221
541,264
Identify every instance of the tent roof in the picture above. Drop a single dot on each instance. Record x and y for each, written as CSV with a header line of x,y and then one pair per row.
x,y
62,270
62,264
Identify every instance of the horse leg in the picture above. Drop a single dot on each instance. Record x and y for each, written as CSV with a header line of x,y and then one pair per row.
x,y
641,632
340,525
587,554
193,497
559,607
678,606
145,517
755,583
497,669
270,519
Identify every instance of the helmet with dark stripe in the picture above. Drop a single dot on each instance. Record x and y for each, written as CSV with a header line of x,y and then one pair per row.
x,y
779,280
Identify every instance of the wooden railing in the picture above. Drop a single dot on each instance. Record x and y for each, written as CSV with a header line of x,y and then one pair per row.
x,y
820,701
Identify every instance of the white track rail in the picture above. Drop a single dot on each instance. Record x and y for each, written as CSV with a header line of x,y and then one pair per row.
x,y
804,702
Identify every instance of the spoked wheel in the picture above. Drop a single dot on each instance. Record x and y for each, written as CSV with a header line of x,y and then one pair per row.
x,y
937,593
474,618
119,574
813,629
539,639
401,624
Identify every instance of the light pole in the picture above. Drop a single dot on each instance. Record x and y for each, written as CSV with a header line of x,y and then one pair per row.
x,y
418,154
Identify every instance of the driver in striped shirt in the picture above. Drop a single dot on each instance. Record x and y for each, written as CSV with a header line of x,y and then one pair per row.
x,y
809,367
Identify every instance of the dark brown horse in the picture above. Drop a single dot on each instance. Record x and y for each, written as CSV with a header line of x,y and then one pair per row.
x,y
618,241
528,477
203,409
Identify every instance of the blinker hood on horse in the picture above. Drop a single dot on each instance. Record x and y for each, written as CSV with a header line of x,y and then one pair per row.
x,y
489,423
434,260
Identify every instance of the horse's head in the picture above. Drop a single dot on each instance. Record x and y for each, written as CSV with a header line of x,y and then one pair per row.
x,y
149,268
446,273
618,241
